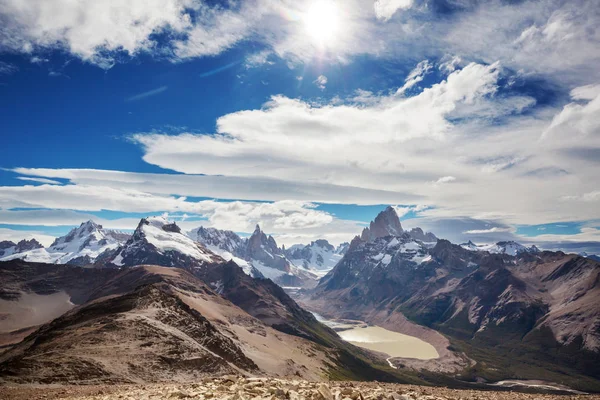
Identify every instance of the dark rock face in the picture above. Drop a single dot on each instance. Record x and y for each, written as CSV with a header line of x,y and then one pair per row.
x,y
264,249
385,224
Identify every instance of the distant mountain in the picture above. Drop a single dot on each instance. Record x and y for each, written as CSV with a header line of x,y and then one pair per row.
x,y
319,255
259,255
594,257
8,248
418,234
81,246
507,247
226,244
158,241
522,307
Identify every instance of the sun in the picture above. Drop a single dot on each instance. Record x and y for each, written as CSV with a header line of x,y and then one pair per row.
x,y
322,21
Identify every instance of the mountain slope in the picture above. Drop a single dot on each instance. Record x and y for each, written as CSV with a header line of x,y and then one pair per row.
x,y
541,307
98,342
150,323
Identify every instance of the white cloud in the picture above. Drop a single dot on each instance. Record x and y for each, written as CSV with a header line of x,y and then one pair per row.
x,y
219,29
400,145
321,82
39,180
402,211
90,29
385,9
292,139
486,231
576,120
68,201
445,179
553,38
224,187
258,59
415,76
587,197
449,64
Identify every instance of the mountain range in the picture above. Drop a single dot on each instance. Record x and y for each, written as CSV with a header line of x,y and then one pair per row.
x,y
512,310
211,301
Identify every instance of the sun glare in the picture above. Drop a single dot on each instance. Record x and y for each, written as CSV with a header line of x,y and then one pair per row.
x,y
321,21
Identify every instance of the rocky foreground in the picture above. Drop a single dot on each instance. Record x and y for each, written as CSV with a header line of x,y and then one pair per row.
x,y
239,388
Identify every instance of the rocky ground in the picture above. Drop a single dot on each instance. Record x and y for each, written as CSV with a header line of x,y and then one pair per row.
x,y
238,388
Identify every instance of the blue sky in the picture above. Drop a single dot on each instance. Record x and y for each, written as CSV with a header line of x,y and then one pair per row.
x,y
307,117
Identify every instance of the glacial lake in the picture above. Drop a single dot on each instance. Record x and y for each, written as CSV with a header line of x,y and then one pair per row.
x,y
383,340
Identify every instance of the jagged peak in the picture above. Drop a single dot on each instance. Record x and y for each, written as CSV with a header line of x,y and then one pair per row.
x,y
90,223
386,223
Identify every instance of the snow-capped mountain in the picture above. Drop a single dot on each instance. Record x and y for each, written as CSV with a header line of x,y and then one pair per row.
x,y
222,239
8,248
259,255
81,246
511,248
159,241
504,296
226,244
383,248
319,255
263,254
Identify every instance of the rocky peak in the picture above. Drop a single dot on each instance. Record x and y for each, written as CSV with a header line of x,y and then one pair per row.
x,y
7,244
385,224
323,244
260,242
26,245
85,229
264,249
418,234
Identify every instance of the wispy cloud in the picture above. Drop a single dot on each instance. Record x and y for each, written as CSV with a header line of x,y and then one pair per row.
x,y
219,69
147,94
485,231
7,68
39,180
321,82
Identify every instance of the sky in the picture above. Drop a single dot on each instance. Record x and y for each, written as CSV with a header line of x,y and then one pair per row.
x,y
477,120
